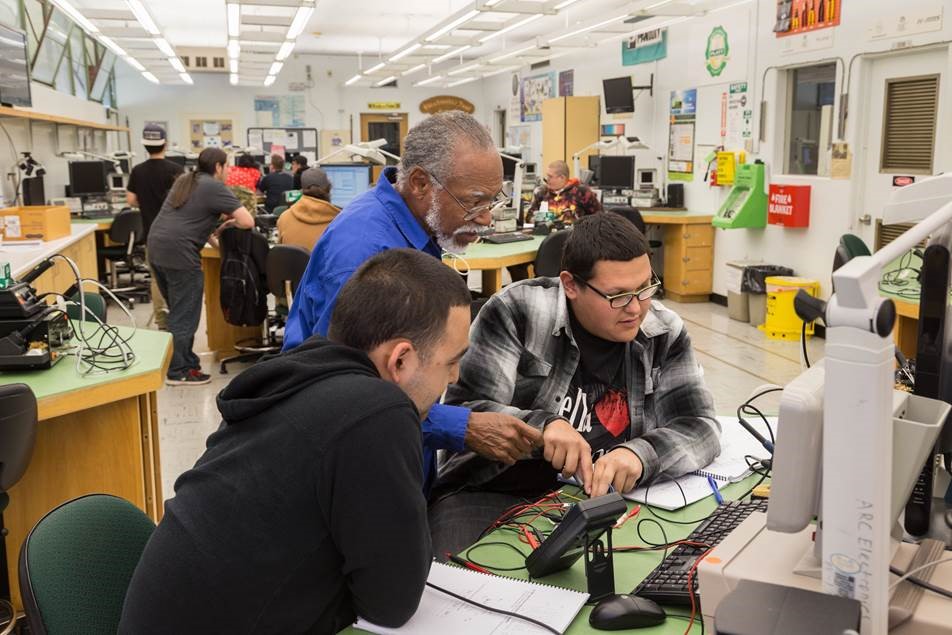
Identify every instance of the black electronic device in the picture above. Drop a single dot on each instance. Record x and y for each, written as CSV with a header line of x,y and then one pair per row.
x,y
668,583
506,238
34,193
579,534
594,163
88,178
178,159
675,195
14,69
619,95
621,612
616,172
35,343
509,167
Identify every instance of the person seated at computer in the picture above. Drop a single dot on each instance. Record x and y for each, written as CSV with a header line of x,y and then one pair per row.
x,y
567,199
307,507
606,373
298,166
246,173
304,222
437,199
275,183
195,204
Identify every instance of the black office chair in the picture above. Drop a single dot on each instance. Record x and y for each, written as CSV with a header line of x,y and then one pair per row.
x,y
548,260
654,246
128,234
17,435
284,268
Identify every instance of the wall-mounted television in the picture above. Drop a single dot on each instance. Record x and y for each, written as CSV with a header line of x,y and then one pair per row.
x,y
14,69
619,96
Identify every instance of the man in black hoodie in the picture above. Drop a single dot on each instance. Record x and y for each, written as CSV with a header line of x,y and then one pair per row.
x,y
307,509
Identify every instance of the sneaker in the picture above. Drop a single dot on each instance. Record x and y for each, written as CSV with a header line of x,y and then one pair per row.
x,y
191,378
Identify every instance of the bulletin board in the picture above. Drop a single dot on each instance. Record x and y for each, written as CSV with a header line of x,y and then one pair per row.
x,y
210,133
286,141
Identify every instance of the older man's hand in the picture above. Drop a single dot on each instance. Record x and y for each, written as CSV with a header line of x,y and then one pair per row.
x,y
568,452
501,437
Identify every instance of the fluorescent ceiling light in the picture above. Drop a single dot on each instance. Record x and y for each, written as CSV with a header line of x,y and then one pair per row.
x,y
353,80
186,78
588,28
233,79
405,52
415,69
375,68
112,46
656,5
177,64
492,3
461,82
164,46
285,51
276,68
452,25
567,3
501,70
385,80
134,63
233,66
142,15
234,19
463,69
506,56
77,17
234,49
446,56
511,27
300,21
429,80
149,76
269,80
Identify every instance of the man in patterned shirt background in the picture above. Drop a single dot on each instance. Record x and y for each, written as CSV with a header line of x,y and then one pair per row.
x,y
567,199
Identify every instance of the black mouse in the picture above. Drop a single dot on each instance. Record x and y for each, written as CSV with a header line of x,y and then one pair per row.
x,y
618,612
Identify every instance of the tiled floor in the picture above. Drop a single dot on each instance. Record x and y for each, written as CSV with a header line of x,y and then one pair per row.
x,y
737,358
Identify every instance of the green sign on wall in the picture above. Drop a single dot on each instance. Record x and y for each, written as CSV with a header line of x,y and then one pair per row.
x,y
717,52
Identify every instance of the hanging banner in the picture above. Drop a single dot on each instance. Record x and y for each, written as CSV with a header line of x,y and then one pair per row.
x,y
648,46
681,135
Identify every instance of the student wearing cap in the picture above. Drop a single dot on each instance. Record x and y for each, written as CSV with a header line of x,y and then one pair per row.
x,y
298,166
304,222
149,184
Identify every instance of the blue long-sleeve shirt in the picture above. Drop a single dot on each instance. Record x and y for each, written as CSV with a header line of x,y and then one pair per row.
x,y
375,221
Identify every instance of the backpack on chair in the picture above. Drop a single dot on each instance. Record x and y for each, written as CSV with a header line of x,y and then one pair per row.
x,y
244,290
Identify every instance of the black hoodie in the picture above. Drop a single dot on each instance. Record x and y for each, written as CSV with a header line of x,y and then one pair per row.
x,y
305,510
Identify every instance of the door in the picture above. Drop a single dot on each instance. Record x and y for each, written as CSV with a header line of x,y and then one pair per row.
x,y
878,171
391,126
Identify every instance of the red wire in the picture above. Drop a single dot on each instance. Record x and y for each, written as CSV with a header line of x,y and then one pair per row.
x,y
691,588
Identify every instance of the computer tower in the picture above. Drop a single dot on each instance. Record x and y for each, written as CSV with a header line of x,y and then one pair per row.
x,y
33,191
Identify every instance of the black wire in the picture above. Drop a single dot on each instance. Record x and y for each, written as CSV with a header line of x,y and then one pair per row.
x,y
803,344
494,610
922,583
469,557
664,536
749,408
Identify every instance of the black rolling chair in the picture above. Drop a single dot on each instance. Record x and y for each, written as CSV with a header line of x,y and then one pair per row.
x,y
548,260
17,435
654,246
284,268
128,234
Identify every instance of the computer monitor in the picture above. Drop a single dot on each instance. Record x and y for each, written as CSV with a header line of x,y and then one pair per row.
x,y
176,158
116,182
594,164
619,96
647,178
616,172
348,181
87,178
509,168
14,70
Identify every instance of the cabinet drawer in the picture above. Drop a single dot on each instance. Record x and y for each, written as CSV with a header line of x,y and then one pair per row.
x,y
697,235
698,258
690,282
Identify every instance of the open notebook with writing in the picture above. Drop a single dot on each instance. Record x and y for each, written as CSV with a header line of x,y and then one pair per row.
x,y
730,466
439,613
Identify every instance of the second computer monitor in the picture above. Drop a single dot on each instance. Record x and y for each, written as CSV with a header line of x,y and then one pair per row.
x,y
87,178
348,181
616,172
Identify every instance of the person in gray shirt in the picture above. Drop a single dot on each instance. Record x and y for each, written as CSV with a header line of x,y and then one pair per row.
x,y
194,206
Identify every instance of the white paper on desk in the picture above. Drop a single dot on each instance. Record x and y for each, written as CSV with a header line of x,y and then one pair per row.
x,y
439,613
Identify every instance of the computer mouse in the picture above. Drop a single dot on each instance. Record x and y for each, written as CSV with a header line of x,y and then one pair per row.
x,y
618,612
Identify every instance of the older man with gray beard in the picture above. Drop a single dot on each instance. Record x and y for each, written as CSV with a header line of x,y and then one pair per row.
x,y
437,199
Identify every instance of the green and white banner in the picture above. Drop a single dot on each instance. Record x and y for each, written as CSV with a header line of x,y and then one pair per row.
x,y
646,46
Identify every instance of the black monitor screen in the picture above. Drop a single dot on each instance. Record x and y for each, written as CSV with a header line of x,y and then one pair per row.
x,y
593,165
14,73
87,178
508,169
618,95
616,172
176,158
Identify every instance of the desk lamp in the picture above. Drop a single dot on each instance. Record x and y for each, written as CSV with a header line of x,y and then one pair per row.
x,y
627,144
371,150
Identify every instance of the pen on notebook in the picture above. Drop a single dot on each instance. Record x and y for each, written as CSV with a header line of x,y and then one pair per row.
x,y
717,492
469,565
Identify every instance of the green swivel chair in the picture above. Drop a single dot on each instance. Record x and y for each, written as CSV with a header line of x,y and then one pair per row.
x,y
77,562
95,303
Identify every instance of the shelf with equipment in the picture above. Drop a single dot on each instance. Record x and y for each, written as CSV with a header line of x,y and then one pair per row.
x,y
33,116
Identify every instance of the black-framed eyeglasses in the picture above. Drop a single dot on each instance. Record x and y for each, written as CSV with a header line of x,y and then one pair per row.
x,y
621,300
500,200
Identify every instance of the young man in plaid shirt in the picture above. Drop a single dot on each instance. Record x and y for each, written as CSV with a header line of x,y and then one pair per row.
x,y
607,374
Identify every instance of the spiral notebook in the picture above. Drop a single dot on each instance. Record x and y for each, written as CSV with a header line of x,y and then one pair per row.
x,y
439,613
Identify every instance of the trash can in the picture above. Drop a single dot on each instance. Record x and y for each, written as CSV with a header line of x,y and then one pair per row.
x,y
754,284
782,321
737,303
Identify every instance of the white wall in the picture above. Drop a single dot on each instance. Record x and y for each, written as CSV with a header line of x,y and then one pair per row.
x,y
755,53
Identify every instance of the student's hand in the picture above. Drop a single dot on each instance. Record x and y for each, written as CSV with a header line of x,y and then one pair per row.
x,y
501,437
620,468
568,451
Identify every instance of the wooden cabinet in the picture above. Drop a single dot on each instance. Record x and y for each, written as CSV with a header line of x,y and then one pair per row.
x,y
60,276
689,262
569,124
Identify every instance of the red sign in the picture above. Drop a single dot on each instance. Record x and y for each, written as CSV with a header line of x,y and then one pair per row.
x,y
789,205
903,181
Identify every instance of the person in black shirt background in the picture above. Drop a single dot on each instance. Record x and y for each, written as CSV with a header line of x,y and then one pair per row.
x,y
298,165
275,184
149,184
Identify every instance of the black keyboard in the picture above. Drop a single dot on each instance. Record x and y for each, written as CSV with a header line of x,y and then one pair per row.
x,y
668,583
503,239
